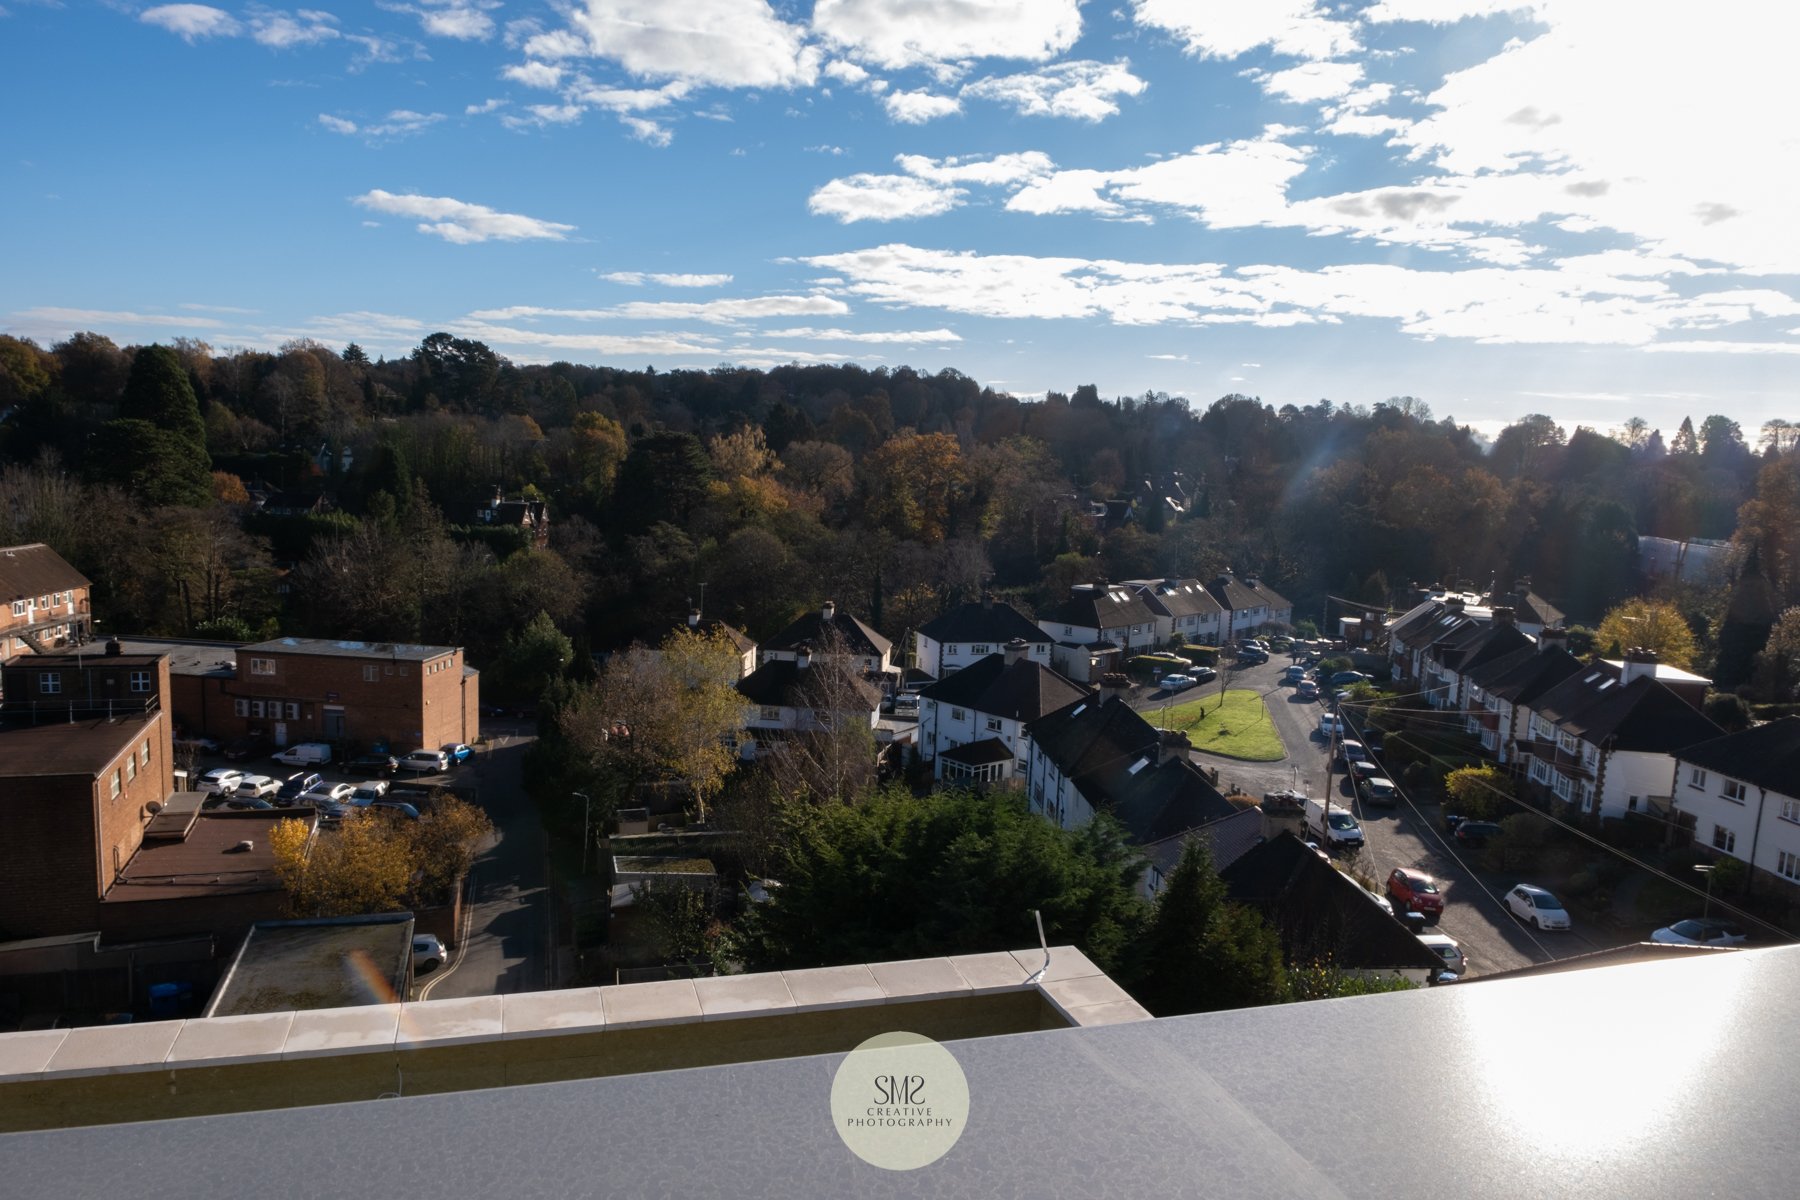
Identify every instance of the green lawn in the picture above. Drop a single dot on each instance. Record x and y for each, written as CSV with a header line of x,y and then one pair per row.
x,y
1238,728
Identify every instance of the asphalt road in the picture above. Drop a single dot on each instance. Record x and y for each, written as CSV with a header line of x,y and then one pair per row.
x,y
507,947
1403,836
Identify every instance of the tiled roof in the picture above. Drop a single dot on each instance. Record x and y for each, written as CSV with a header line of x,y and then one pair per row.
x,y
1095,608
1640,715
996,623
978,754
35,570
1319,913
814,628
1228,839
1237,594
1485,644
1154,801
1530,676
1020,691
1090,734
784,683
1176,597
710,625
1767,756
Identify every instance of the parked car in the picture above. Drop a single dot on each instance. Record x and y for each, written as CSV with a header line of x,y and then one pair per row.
x,y
1176,683
327,793
458,752
372,764
220,781
1445,947
1351,751
296,785
1293,674
1416,890
255,787
368,793
1330,725
199,745
906,704
1203,674
1535,905
1701,931
1379,790
304,754
426,762
245,748
428,952
1476,833
1252,654
1332,825
1347,678
1306,689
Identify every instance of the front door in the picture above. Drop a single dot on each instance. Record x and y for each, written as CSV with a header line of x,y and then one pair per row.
x,y
280,733
334,723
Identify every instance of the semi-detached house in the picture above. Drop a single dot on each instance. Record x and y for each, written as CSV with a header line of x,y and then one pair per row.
x,y
1742,792
970,632
1096,628
974,725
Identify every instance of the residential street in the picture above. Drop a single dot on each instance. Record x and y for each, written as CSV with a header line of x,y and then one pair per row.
x,y
1403,836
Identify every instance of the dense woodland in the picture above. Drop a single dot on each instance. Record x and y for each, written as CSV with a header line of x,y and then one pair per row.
x,y
765,492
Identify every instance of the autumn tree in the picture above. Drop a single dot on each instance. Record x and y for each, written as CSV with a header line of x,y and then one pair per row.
x,y
1651,624
914,484
359,867
596,448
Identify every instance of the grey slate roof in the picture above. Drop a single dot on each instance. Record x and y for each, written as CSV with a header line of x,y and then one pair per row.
x,y
1021,691
1236,593
979,754
35,570
1228,838
1523,679
1767,756
1176,597
814,628
975,621
1095,607
1640,715
1319,913
784,683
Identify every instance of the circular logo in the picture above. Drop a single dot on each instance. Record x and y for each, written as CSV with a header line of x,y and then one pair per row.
x,y
900,1101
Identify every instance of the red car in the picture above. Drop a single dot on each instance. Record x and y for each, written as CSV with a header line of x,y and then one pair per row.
x,y
1418,891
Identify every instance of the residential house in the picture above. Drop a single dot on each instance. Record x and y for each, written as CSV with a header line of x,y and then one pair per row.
x,y
806,694
1102,756
1096,628
1604,746
44,602
1248,604
970,632
1463,647
1531,612
532,516
816,632
1742,792
1498,691
1414,631
740,641
1323,916
1227,840
992,701
1186,612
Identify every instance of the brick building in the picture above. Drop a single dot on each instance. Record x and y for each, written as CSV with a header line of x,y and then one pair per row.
x,y
43,601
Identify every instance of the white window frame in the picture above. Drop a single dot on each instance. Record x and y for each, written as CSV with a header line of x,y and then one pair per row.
x,y
1787,865
1724,839
993,724
1732,790
371,673
262,666
1790,810
117,787
18,608
769,713
957,714
1697,778
979,648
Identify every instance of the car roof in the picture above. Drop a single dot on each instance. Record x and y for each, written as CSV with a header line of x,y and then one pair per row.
x,y
1414,873
1437,939
1533,889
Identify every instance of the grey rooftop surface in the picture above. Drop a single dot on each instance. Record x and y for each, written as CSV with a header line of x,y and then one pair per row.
x,y
1659,1079
329,648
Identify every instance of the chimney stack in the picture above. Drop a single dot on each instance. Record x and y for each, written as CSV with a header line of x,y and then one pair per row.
x,y
829,612
1640,663
987,599
1505,616
1015,650
1172,744
693,618
1553,639
1454,604
803,655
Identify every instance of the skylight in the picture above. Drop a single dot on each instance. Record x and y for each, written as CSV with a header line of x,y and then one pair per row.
x,y
1592,677
1137,766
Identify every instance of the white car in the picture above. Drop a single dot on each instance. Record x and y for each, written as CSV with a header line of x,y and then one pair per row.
x,y
220,781
327,793
1176,683
369,792
1537,907
427,951
255,787
1701,931
1446,948
426,761
1330,725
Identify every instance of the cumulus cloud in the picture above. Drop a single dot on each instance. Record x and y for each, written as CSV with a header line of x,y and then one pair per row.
x,y
486,106
534,74
282,30
1314,81
461,222
882,198
459,20
916,108
727,43
1083,90
924,32
717,312
192,22
639,278
902,337
337,124
1299,28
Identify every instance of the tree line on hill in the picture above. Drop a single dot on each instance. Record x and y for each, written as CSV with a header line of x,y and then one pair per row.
x,y
762,492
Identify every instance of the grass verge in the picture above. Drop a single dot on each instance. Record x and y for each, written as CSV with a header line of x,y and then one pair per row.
x,y
1239,727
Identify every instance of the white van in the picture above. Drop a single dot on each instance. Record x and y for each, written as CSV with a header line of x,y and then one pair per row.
x,y
304,754
1334,827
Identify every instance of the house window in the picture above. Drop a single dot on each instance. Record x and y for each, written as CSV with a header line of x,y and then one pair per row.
x,y
115,784
821,717
1697,778
1724,839
1540,771
144,753
957,714
130,768
19,609
49,683
1787,865
1790,811
993,724
1019,767
950,647
140,681
262,666
1566,741
1563,787
979,648
371,674
771,714
1732,790
1068,631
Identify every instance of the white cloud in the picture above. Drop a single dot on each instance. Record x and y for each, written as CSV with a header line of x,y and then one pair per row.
x,y
882,198
1725,348
505,336
1082,90
229,309
639,278
623,100
822,148
924,32
1002,169
727,43
845,72
192,21
1299,28
1440,12
458,19
902,337
1314,81
70,320
646,130
718,312
1237,184
486,106
557,44
282,30
460,222
534,74
916,108
337,124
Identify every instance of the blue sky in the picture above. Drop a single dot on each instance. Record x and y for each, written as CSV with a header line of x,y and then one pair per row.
x,y
1582,208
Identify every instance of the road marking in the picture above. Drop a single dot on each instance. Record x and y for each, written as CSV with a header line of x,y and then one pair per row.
x,y
462,943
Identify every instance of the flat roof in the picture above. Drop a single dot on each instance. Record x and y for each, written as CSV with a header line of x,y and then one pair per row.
x,y
68,747
332,963
208,861
185,657
329,648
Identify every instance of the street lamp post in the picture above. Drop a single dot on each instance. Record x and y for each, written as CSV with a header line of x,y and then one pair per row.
x,y
1706,869
587,816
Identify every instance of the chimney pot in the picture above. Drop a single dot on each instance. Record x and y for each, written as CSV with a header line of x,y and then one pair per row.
x,y
1505,616
1015,650
829,612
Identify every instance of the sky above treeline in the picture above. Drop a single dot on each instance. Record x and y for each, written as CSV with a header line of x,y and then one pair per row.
x,y
1582,208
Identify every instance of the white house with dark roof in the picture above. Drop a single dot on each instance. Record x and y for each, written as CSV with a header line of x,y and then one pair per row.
x,y
807,694
1743,792
823,627
970,632
994,700
1248,604
1186,612
1096,627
